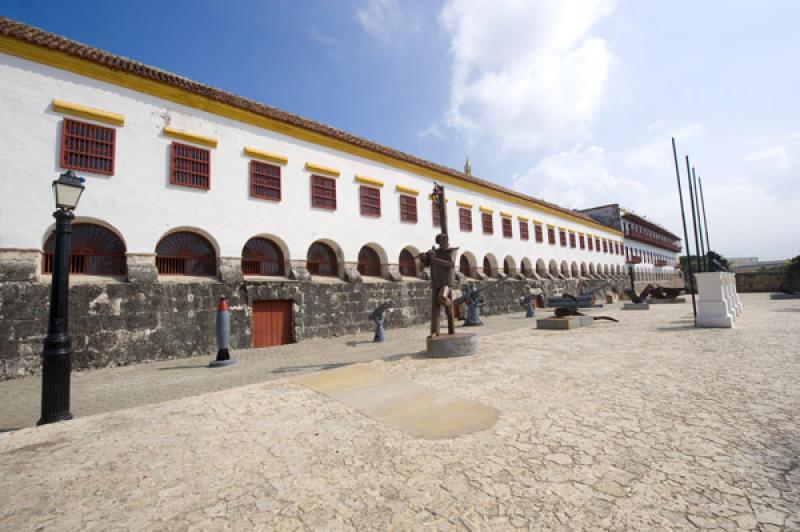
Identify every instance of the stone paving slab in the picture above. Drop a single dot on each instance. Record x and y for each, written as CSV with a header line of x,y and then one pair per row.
x,y
646,424
400,403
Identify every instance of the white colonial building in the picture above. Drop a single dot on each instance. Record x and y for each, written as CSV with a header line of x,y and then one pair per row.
x,y
651,251
185,179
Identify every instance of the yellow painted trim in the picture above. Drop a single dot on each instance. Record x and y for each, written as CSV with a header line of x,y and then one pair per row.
x,y
98,115
522,218
322,169
504,214
487,210
407,190
181,96
364,180
266,155
464,204
170,131
538,222
551,225
446,200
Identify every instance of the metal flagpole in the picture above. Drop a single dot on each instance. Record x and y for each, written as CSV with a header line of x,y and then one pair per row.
x,y
699,224
685,232
705,221
694,215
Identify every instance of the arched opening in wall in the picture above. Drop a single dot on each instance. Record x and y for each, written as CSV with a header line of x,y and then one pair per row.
x,y
408,264
369,263
466,264
489,265
94,250
605,269
574,270
321,260
541,268
599,269
186,253
591,269
261,256
619,269
584,272
509,265
553,268
527,269
564,268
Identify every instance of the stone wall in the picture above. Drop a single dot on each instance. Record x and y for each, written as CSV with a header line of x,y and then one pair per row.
x,y
119,323
760,281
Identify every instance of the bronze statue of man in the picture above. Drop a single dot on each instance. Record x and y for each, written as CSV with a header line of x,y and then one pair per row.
x,y
442,262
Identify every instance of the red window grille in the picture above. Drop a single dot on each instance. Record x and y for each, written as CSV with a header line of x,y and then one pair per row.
x,y
265,181
538,233
506,267
408,208
562,238
486,223
323,193
572,242
597,244
507,230
87,147
369,264
551,235
487,267
591,243
605,246
184,253
437,216
582,241
523,230
321,260
465,219
408,265
370,201
463,266
262,257
94,250
191,166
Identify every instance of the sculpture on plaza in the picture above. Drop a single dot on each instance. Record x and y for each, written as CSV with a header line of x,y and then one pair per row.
x,y
474,300
442,263
572,310
715,262
658,292
377,316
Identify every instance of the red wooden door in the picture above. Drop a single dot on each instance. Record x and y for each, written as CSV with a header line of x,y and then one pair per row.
x,y
272,323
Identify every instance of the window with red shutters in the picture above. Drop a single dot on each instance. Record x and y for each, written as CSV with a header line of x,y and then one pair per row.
x,y
551,236
465,219
562,238
582,241
523,230
323,192
507,230
408,208
437,216
591,243
486,223
597,244
265,181
370,201
538,233
572,242
605,246
87,147
191,166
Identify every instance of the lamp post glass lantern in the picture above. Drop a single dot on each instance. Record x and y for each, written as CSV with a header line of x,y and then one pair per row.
x,y
57,352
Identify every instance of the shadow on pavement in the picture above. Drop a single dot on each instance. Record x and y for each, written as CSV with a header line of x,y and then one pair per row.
x,y
318,367
184,367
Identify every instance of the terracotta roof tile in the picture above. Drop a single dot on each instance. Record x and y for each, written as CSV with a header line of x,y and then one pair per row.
x,y
38,37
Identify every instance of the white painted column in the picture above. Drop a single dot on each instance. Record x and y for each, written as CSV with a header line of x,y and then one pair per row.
x,y
713,309
737,301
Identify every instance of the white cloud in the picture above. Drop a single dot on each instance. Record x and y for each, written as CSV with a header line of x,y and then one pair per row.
x,y
656,153
775,155
387,20
525,74
578,178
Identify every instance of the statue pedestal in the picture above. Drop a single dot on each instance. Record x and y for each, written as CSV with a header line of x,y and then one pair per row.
x,y
656,301
636,306
565,323
713,306
451,345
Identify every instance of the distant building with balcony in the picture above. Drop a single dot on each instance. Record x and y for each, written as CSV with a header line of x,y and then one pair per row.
x,y
651,250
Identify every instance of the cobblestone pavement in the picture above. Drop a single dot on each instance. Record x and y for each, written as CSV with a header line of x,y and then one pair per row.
x,y
646,424
109,389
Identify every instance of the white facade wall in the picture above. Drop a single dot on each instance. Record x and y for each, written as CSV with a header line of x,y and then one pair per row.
x,y
671,257
142,206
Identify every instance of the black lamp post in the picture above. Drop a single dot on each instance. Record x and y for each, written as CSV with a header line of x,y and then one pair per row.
x,y
57,353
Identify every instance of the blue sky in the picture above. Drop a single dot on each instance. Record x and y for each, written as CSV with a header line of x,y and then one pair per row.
x,y
573,101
